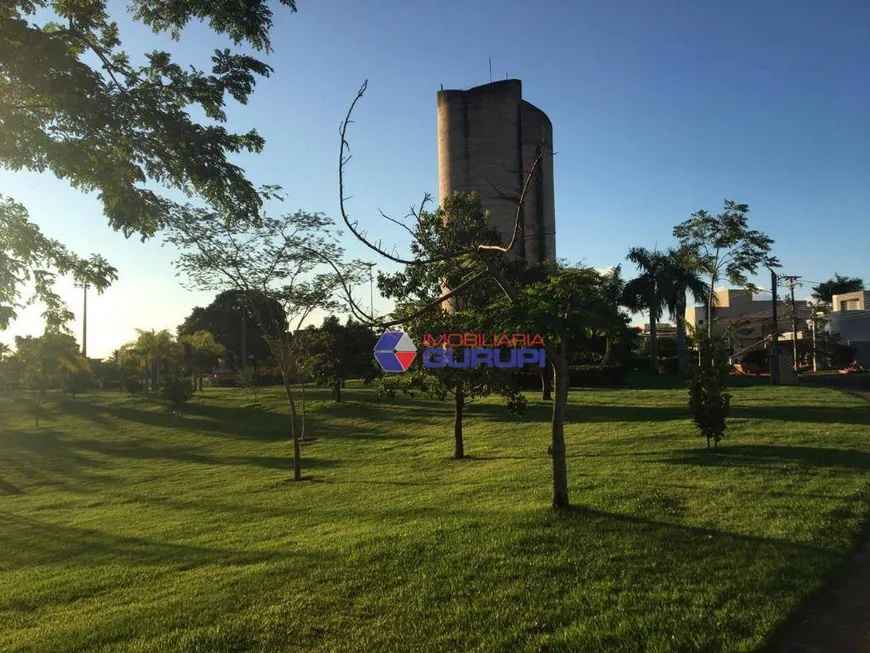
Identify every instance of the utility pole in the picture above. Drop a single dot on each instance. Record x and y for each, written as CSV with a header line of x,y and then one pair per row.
x,y
85,321
774,338
791,281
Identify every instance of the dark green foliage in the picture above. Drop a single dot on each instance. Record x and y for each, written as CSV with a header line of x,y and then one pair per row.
x,y
648,291
594,376
75,105
838,285
336,352
76,381
709,400
231,319
72,103
176,390
132,384
30,258
725,247
248,378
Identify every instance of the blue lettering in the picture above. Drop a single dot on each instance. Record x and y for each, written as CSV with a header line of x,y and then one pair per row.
x,y
481,356
452,362
510,362
434,357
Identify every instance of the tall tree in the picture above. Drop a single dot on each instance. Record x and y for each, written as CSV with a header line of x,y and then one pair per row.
x,y
72,103
286,260
230,318
727,248
684,276
648,292
336,352
838,285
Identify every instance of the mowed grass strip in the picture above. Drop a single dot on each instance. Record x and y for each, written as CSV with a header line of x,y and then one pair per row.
x,y
124,527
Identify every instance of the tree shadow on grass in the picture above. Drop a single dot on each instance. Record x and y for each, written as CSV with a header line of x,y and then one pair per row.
x,y
44,458
711,581
142,451
37,542
759,455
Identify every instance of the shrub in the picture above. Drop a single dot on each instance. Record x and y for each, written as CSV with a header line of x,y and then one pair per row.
x,y
132,385
669,365
176,390
591,376
76,382
247,378
709,401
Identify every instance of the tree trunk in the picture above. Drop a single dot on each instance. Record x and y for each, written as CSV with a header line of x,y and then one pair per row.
x,y
681,335
336,391
608,349
547,382
297,453
653,344
557,446
458,407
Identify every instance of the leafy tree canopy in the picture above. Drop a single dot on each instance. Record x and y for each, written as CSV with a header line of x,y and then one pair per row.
x,y
725,245
230,318
74,103
27,256
336,352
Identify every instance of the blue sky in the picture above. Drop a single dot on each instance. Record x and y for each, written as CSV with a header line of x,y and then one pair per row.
x,y
659,109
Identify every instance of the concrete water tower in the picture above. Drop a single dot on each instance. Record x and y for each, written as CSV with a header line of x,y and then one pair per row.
x,y
488,137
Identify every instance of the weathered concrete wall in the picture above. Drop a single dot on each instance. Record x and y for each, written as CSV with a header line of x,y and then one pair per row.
x,y
487,137
540,210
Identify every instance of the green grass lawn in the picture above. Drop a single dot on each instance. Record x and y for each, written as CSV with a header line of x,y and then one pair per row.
x,y
127,528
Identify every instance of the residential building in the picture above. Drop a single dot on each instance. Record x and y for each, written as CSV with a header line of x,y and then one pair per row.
x,y
751,319
849,318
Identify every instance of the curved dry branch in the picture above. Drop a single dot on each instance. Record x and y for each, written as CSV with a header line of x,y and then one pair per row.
x,y
352,225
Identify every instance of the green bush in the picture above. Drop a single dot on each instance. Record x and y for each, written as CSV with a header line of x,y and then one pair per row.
x,y
669,365
709,401
176,390
76,382
132,385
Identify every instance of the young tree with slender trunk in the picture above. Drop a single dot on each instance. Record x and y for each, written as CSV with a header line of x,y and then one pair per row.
x,y
287,260
726,248
486,261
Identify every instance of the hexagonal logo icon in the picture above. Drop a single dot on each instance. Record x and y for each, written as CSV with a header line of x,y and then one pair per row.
x,y
395,352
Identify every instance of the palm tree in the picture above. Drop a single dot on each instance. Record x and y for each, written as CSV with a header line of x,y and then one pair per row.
x,y
4,350
684,275
612,293
648,292
839,285
155,347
